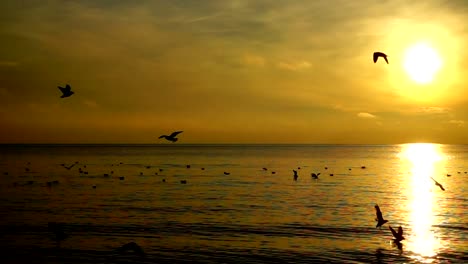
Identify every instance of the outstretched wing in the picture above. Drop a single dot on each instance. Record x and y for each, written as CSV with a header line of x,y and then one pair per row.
x,y
175,133
378,213
395,234
163,136
385,57
400,231
68,88
376,56
63,90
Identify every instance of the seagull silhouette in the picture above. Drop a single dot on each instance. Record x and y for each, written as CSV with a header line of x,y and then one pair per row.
x,y
66,92
133,247
295,175
380,54
172,137
438,184
379,219
398,236
315,176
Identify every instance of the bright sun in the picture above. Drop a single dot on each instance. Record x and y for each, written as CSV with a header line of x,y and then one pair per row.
x,y
422,63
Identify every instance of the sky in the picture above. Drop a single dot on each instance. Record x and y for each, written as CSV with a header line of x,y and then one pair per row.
x,y
241,71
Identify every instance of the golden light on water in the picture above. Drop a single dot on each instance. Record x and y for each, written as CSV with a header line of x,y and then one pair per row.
x,y
421,240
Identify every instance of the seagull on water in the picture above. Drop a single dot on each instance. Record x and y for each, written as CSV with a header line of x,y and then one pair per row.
x,y
133,247
172,137
380,54
379,219
66,92
295,175
398,235
438,184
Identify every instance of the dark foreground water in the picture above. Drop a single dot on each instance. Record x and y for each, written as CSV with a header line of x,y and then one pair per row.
x,y
252,215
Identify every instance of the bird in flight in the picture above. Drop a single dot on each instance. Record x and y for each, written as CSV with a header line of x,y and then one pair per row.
x,y
66,92
315,176
172,137
398,235
438,184
380,54
379,219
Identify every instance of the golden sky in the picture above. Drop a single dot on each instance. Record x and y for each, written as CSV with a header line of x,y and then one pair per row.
x,y
243,71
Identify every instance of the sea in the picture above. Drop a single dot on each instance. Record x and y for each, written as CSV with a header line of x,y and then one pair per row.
x,y
233,203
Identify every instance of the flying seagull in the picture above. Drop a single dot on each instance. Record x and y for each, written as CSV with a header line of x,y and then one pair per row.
x,y
380,54
172,137
66,92
379,219
398,236
438,184
315,176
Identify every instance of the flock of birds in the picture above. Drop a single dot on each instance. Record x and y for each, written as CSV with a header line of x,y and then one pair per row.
x,y
59,235
57,229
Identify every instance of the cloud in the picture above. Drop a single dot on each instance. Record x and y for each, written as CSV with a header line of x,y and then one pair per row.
x,y
366,115
433,110
294,66
459,123
254,60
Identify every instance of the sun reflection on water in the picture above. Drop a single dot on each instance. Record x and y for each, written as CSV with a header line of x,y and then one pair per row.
x,y
423,159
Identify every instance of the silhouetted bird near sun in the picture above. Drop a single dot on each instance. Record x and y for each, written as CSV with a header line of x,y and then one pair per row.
x,y
66,92
172,137
438,184
380,54
398,236
379,219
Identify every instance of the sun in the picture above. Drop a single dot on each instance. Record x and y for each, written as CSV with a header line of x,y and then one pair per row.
x,y
422,63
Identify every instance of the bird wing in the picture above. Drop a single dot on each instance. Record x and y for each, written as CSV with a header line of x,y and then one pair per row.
x,y
378,213
376,56
175,133
68,88
163,136
385,57
400,231
63,90
395,234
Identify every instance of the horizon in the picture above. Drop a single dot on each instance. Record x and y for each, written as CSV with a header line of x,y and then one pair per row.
x,y
234,71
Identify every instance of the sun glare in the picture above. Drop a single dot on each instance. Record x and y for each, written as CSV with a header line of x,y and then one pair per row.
x,y
422,63
421,240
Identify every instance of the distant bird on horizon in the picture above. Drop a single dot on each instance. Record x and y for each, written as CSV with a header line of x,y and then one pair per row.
x,y
66,92
438,184
132,246
172,137
398,235
380,54
379,219
69,167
